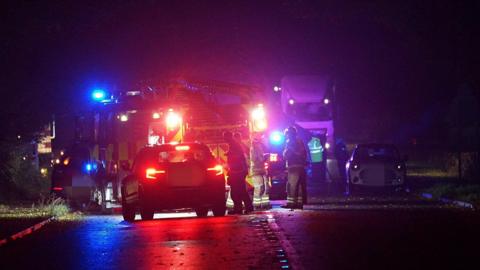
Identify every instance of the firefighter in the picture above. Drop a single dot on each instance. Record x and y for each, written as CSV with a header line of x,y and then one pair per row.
x,y
237,171
238,137
295,156
258,173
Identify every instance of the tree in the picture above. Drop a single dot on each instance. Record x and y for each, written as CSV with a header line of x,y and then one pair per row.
x,y
464,125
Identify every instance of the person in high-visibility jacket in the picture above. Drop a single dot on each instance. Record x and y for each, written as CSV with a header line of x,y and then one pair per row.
x,y
258,173
295,155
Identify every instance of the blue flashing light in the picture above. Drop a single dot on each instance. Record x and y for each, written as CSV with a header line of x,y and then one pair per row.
x,y
99,95
277,137
88,167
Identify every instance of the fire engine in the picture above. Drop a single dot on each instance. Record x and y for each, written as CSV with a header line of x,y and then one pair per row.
x,y
107,137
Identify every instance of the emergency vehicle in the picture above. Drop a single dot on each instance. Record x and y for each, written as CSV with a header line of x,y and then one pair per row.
x,y
107,138
308,103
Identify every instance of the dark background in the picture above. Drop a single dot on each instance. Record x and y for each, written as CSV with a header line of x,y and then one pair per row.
x,y
398,64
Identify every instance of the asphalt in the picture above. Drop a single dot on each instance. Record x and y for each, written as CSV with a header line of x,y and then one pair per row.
x,y
373,231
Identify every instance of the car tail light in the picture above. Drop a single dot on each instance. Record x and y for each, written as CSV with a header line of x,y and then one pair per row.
x,y
151,173
182,147
57,188
218,169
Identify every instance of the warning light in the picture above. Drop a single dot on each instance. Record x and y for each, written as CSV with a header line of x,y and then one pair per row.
x,y
258,113
88,167
99,95
123,117
172,120
259,118
277,137
327,145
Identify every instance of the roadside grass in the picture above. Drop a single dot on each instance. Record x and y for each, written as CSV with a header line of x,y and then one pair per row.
x,y
461,192
430,173
44,208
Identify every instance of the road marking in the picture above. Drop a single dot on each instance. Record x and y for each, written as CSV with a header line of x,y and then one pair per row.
x,y
292,255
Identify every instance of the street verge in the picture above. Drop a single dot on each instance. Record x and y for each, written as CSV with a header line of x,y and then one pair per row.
x,y
449,201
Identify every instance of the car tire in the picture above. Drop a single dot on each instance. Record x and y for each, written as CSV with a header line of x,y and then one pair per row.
x,y
201,211
128,212
146,213
219,211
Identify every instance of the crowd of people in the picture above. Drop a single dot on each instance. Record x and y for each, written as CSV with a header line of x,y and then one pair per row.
x,y
243,160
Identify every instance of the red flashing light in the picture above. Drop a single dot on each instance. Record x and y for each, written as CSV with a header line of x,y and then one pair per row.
x,y
217,168
57,188
182,147
151,173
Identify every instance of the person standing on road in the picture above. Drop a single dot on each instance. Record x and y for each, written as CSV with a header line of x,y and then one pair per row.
x,y
342,156
258,173
295,156
237,171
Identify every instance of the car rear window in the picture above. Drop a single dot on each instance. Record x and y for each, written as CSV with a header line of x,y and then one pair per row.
x,y
176,156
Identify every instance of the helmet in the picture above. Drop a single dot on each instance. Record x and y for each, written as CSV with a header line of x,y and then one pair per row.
x,y
290,131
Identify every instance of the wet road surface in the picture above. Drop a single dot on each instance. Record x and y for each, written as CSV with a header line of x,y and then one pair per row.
x,y
365,232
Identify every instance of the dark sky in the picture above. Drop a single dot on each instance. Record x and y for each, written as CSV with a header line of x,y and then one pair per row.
x,y
393,59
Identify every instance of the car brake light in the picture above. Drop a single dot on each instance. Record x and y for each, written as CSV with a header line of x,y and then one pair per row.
x,y
57,188
182,147
218,169
151,173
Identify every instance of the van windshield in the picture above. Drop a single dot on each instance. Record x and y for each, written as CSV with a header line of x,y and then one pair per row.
x,y
311,111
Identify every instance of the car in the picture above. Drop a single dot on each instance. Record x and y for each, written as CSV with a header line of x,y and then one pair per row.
x,y
276,173
375,165
174,176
